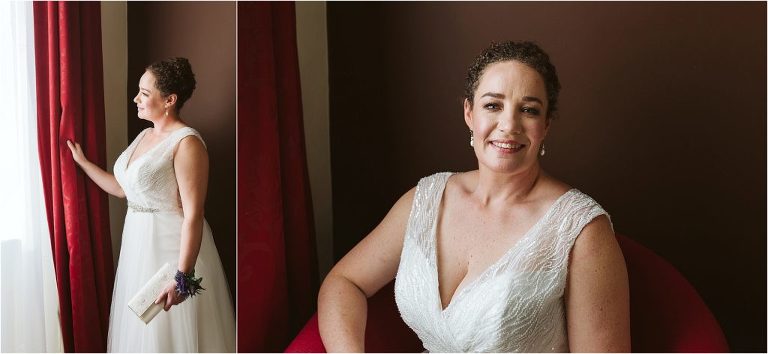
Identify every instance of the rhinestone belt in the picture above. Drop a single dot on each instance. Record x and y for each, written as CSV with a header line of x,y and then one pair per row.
x,y
141,209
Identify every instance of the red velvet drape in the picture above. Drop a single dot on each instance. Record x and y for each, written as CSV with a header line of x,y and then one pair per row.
x,y
70,105
277,267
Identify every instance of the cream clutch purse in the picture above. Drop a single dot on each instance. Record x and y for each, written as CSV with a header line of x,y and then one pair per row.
x,y
143,303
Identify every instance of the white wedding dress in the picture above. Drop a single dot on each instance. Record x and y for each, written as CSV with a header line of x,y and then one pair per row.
x,y
516,305
151,237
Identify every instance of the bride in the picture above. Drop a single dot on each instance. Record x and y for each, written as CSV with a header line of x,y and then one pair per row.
x,y
505,258
164,175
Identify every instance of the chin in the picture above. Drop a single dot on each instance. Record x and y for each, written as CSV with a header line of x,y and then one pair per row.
x,y
506,166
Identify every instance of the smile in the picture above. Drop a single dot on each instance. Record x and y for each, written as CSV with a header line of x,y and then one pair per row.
x,y
507,146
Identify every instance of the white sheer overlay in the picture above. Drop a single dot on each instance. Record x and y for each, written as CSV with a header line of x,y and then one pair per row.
x,y
516,305
29,307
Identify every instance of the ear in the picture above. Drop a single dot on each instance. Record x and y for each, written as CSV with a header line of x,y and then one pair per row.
x,y
170,100
468,113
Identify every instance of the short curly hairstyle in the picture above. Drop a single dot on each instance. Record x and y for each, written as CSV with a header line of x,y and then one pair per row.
x,y
174,75
525,52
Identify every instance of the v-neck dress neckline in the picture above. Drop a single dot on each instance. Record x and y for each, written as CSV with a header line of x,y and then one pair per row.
x,y
129,163
463,288
515,305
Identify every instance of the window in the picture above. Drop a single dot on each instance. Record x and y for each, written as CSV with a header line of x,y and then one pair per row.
x,y
28,296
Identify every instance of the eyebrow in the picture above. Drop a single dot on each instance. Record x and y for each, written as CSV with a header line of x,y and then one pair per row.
x,y
533,99
493,94
143,89
525,98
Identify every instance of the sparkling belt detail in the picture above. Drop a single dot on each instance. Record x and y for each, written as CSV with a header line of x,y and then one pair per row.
x,y
141,209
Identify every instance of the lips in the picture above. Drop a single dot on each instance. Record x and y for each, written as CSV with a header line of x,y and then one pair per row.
x,y
509,146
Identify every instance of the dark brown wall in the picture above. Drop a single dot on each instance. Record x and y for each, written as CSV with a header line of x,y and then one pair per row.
x,y
663,121
204,33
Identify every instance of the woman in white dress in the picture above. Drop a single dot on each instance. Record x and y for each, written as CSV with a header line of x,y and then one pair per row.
x,y
505,258
164,176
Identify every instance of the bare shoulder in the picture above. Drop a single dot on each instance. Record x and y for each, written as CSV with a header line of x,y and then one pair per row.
x,y
552,188
548,190
401,211
597,239
191,146
597,292
190,157
392,227
373,262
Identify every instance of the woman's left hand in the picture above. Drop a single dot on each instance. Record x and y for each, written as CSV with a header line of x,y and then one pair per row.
x,y
169,297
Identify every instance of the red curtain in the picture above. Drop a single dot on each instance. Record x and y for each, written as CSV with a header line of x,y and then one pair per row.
x,y
277,263
70,105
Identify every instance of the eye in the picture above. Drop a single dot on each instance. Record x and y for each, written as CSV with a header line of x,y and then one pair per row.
x,y
492,106
531,110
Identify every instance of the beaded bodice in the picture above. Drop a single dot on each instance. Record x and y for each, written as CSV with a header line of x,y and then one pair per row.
x,y
149,182
516,305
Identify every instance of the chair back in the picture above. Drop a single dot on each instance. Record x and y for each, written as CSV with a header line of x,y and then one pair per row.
x,y
666,313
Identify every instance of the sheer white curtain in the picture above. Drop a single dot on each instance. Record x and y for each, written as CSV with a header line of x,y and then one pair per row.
x,y
29,308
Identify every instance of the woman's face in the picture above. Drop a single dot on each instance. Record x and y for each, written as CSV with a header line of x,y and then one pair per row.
x,y
150,102
508,117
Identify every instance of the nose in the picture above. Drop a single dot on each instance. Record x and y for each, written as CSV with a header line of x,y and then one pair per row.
x,y
136,98
510,122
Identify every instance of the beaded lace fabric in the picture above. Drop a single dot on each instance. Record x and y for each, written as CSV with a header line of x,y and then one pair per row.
x,y
516,305
151,238
149,182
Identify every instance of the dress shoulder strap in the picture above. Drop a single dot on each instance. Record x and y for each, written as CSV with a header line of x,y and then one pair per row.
x,y
182,133
573,214
425,208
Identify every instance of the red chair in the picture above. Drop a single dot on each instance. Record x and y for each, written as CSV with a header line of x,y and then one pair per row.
x,y
666,313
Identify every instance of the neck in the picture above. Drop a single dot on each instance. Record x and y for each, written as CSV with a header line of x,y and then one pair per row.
x,y
493,187
166,123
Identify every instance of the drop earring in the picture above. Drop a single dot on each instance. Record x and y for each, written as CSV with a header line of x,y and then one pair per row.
x,y
542,151
471,138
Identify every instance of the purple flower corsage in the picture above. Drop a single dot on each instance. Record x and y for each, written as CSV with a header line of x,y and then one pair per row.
x,y
187,285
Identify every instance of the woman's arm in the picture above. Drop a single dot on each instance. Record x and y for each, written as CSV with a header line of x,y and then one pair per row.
x,y
191,167
342,301
103,179
597,292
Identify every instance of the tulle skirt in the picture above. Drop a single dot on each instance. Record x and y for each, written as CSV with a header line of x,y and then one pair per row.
x,y
203,323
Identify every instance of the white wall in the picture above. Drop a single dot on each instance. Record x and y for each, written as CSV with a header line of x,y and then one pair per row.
x,y
114,42
312,40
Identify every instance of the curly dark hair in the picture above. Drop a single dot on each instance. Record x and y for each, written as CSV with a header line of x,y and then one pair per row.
x,y
525,52
174,75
